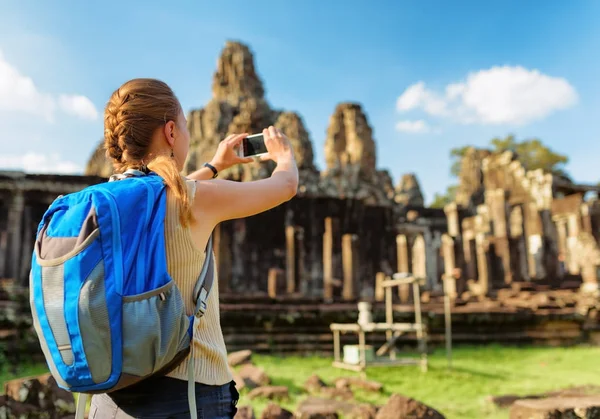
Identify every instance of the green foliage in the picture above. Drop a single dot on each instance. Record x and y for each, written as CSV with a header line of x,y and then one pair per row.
x,y
441,200
478,372
533,154
8,372
456,154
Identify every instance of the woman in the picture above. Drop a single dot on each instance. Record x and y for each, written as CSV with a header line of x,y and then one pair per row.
x,y
145,128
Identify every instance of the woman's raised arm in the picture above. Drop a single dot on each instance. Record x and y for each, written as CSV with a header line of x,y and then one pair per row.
x,y
220,200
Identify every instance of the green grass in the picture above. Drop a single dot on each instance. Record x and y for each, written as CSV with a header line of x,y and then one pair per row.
x,y
462,392
23,370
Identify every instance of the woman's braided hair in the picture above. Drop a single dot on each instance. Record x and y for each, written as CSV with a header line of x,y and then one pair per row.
x,y
132,115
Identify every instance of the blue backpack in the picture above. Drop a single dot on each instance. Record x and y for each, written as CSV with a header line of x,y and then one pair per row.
x,y
105,310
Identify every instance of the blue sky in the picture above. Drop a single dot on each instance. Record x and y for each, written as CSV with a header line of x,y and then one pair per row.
x,y
431,75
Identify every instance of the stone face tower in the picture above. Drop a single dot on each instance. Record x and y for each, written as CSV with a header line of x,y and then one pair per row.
x,y
237,105
408,191
236,78
351,159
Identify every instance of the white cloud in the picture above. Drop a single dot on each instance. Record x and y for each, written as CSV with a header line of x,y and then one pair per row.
x,y
18,93
413,127
79,106
418,96
39,163
499,95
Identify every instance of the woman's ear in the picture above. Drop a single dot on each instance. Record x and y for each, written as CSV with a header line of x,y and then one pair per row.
x,y
169,132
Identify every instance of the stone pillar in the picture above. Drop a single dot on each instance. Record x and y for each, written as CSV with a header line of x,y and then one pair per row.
x,y
301,280
350,265
379,290
290,258
561,233
419,263
314,254
482,263
29,229
238,255
276,282
330,234
15,222
468,251
586,219
518,248
431,257
533,230
497,204
402,258
402,252
449,266
573,228
451,211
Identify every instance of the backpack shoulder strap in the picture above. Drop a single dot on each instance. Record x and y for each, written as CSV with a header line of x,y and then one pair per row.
x,y
205,280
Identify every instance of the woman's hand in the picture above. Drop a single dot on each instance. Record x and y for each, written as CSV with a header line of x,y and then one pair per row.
x,y
278,146
227,155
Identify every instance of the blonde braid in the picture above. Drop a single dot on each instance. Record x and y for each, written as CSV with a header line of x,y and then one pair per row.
x,y
132,115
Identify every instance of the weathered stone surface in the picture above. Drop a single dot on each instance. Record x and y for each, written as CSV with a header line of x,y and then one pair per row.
x,y
363,411
236,76
327,408
273,411
245,412
351,158
38,394
350,140
291,124
470,187
99,164
314,384
557,408
270,392
387,183
404,407
10,409
240,357
408,191
344,393
326,413
357,382
237,105
253,376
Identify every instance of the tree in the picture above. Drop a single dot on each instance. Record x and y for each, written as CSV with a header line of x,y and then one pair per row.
x,y
532,154
441,200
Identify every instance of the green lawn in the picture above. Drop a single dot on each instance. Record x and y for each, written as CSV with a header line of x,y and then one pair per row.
x,y
462,392
477,373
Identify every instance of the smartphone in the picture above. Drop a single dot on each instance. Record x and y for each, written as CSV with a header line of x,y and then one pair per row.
x,y
253,146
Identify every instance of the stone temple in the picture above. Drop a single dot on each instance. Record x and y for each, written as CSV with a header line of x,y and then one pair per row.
x,y
511,235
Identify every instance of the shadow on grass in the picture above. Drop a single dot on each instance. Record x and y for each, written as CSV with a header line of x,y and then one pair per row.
x,y
479,373
295,389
